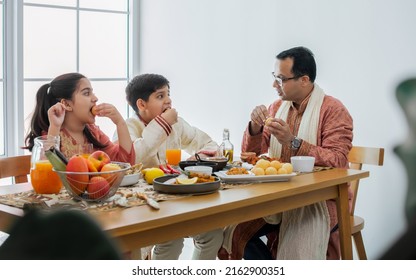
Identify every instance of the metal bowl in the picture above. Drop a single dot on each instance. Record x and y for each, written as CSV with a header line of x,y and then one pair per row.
x,y
76,183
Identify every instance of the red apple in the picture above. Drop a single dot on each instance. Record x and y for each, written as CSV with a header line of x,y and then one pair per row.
x,y
98,187
110,177
98,159
77,182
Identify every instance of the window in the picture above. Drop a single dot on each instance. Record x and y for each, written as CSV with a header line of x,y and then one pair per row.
x,y
59,36
2,104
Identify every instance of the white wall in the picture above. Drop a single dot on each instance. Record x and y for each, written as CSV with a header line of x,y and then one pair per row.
x,y
218,55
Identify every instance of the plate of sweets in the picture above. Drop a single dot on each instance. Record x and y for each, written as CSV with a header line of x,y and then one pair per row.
x,y
263,171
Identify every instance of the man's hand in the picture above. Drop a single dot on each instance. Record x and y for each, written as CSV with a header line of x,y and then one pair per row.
x,y
281,130
258,117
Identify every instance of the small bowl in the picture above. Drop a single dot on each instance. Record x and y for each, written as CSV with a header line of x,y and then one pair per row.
x,y
302,163
200,169
130,179
220,161
186,163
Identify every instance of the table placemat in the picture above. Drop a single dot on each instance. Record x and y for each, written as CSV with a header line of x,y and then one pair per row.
x,y
124,197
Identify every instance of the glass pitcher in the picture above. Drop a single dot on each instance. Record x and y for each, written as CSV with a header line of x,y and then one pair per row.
x,y
44,180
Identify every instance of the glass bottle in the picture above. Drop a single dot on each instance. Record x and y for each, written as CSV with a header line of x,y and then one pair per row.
x,y
227,147
43,179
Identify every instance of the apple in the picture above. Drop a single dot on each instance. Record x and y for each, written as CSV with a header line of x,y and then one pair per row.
x,y
98,159
98,187
110,177
77,182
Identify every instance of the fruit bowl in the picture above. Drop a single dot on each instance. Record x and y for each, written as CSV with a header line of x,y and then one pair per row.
x,y
93,186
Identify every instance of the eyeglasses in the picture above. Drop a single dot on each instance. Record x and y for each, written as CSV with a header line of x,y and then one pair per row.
x,y
281,80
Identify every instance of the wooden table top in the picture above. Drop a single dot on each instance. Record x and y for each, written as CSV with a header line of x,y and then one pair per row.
x,y
141,226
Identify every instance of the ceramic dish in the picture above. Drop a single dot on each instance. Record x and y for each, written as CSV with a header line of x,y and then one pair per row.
x,y
160,185
130,179
247,178
186,163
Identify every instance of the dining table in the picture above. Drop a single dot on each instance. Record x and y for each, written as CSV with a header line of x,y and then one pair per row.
x,y
140,226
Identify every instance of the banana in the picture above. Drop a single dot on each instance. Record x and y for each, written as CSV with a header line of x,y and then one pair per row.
x,y
56,162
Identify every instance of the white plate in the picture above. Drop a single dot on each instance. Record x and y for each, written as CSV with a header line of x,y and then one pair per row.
x,y
130,179
253,178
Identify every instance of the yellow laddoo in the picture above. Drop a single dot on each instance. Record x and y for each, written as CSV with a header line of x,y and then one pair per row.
x,y
288,167
282,170
257,171
262,163
276,164
270,171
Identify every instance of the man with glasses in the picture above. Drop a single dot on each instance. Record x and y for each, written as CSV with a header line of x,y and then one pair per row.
x,y
304,121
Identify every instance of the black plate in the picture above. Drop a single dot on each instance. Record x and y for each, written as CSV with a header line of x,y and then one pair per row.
x,y
202,188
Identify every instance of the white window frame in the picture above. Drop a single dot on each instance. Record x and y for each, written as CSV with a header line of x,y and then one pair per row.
x,y
13,69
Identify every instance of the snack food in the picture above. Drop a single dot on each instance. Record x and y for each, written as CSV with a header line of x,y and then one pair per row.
x,y
237,171
268,121
94,110
271,167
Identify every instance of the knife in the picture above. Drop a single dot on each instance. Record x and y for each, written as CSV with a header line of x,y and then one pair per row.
x,y
152,203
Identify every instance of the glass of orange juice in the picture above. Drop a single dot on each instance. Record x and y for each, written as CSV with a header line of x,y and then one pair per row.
x,y
173,150
84,149
43,179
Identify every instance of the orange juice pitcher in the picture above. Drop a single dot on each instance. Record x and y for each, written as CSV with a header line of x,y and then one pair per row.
x,y
44,180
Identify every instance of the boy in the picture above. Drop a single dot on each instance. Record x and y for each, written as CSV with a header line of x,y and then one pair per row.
x,y
155,122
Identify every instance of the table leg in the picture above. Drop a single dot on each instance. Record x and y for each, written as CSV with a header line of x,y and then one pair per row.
x,y
344,222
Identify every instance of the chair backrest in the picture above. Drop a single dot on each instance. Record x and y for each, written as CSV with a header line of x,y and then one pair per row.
x,y
17,167
359,156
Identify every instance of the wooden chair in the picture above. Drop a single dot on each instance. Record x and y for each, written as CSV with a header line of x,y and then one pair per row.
x,y
357,157
17,167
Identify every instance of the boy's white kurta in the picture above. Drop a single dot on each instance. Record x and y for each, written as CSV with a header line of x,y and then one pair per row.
x,y
150,140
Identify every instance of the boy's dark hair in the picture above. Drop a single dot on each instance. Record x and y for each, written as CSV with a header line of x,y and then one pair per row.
x,y
303,62
62,87
142,86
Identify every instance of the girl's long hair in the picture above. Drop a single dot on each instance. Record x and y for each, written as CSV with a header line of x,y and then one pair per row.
x,y
62,87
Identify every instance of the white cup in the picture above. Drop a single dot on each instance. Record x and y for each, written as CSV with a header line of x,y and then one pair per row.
x,y
200,169
302,163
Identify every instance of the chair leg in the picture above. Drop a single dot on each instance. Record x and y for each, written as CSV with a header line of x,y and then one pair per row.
x,y
359,245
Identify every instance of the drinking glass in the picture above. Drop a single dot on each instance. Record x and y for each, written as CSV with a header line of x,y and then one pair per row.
x,y
173,150
84,149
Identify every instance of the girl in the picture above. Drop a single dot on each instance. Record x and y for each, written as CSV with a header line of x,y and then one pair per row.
x,y
64,108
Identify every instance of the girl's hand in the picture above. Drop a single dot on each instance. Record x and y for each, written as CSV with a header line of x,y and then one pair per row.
x,y
56,115
109,111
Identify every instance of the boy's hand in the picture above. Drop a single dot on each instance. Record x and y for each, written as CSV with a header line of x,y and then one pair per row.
x,y
170,115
